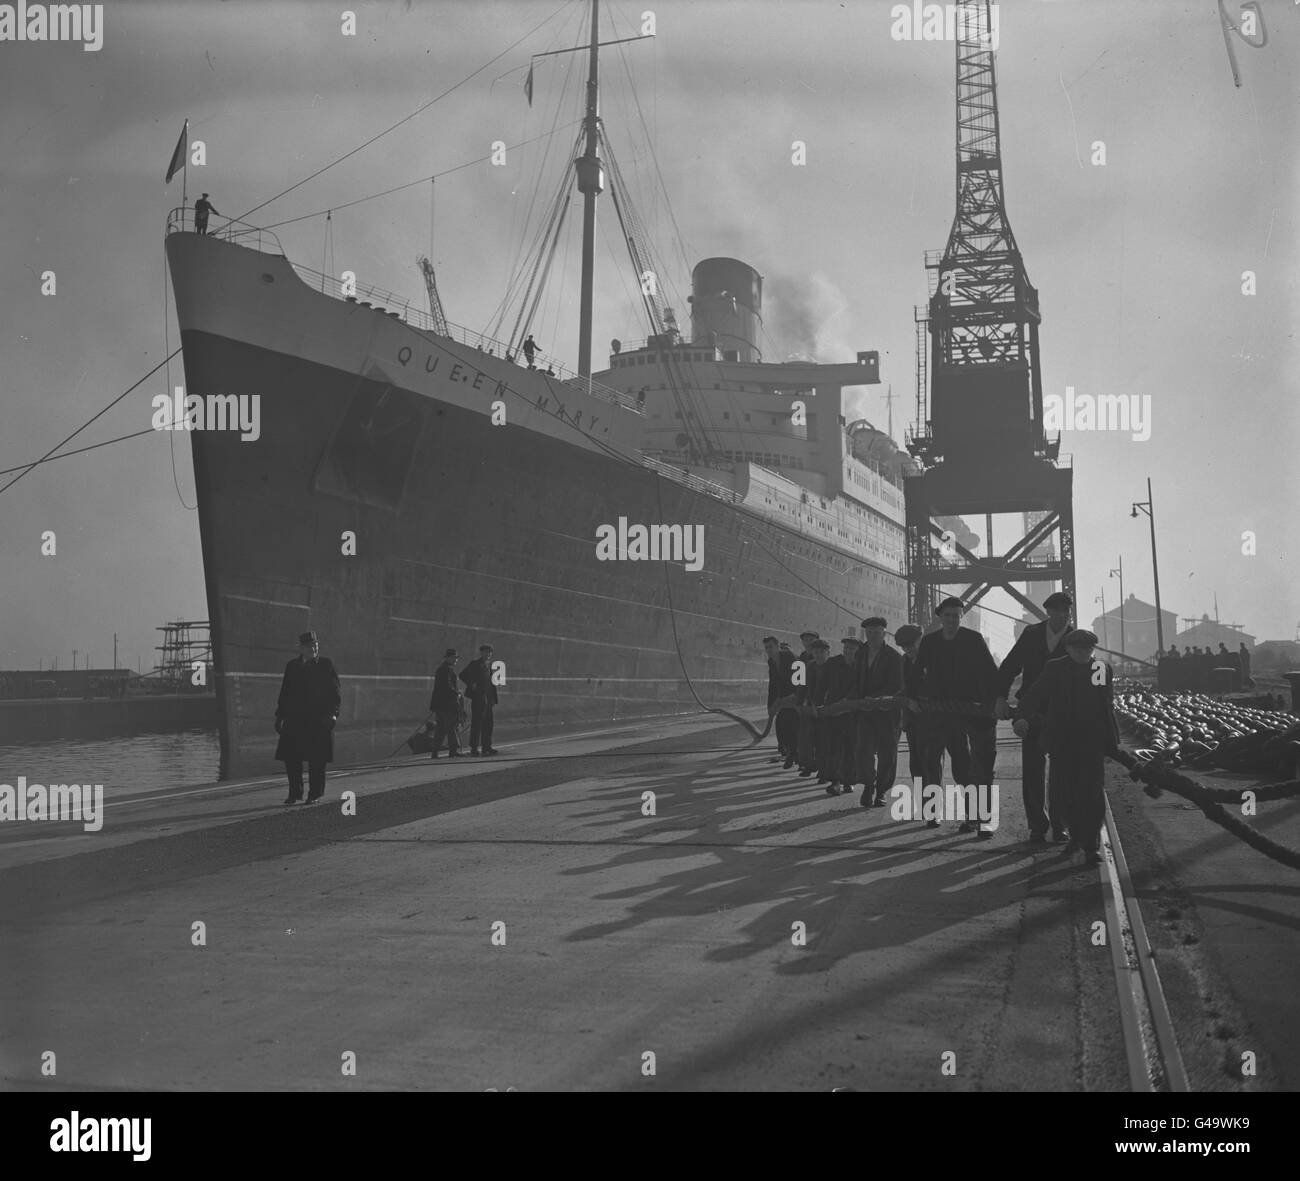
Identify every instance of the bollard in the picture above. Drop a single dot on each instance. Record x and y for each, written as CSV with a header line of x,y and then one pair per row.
x,y
1221,680
1294,680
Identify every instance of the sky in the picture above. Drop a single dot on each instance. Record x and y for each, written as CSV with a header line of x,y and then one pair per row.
x,y
1138,261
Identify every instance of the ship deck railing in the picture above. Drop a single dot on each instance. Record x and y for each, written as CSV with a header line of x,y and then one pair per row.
x,y
708,487
399,307
228,229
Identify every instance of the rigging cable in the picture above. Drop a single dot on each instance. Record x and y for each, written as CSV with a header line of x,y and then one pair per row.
x,y
407,119
518,259
50,453
557,211
679,238
677,643
78,451
288,221
171,434
555,223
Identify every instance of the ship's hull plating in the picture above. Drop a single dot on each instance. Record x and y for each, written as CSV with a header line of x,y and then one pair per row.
x,y
466,532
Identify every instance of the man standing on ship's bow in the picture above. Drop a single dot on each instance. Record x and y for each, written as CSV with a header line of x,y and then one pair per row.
x,y
305,717
202,207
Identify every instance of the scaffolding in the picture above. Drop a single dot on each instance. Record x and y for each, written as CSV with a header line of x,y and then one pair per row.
x,y
185,643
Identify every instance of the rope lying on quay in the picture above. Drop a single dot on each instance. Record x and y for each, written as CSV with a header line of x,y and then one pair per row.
x,y
1159,778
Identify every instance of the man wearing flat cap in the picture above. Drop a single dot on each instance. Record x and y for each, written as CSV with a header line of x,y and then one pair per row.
x,y
1038,643
956,665
482,694
879,673
804,676
834,685
445,704
1073,699
780,698
841,728
305,717
908,639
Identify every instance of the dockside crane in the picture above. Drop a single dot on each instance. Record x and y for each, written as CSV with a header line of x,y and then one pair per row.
x,y
979,433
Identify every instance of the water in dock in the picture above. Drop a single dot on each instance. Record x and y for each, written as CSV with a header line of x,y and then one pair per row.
x,y
124,765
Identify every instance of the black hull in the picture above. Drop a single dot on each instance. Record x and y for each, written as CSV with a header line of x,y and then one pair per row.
x,y
466,533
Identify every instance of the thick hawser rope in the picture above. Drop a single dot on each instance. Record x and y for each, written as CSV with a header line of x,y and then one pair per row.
x,y
926,705
1159,778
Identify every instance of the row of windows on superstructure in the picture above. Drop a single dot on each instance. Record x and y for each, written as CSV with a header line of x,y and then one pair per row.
x,y
768,459
629,359
800,432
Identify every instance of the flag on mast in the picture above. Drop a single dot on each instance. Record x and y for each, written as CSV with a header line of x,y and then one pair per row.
x,y
528,84
178,156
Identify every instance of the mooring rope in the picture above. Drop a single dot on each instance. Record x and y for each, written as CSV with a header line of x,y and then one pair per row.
x,y
1158,778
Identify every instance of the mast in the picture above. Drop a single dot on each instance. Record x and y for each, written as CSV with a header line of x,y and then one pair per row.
x,y
590,184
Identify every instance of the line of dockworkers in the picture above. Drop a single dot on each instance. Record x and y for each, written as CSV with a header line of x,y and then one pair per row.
x,y
839,717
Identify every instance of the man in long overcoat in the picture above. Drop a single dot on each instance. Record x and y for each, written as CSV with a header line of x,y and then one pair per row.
x,y
780,688
1037,644
305,717
444,704
955,664
482,694
1074,698
879,673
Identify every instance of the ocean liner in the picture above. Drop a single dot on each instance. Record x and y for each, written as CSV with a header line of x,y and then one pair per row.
x,y
473,488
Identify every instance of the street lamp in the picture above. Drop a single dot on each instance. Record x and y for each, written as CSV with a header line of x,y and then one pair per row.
x,y
1105,623
1123,652
1146,507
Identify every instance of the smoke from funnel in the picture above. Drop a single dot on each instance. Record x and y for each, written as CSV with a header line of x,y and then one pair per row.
x,y
807,320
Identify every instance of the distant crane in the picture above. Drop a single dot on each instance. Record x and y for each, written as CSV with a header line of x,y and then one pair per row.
x,y
982,446
435,303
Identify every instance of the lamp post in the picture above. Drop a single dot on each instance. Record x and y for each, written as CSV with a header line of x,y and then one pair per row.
x,y
1146,507
1123,652
1105,623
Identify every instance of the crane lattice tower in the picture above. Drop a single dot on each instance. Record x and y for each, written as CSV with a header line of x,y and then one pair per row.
x,y
979,435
